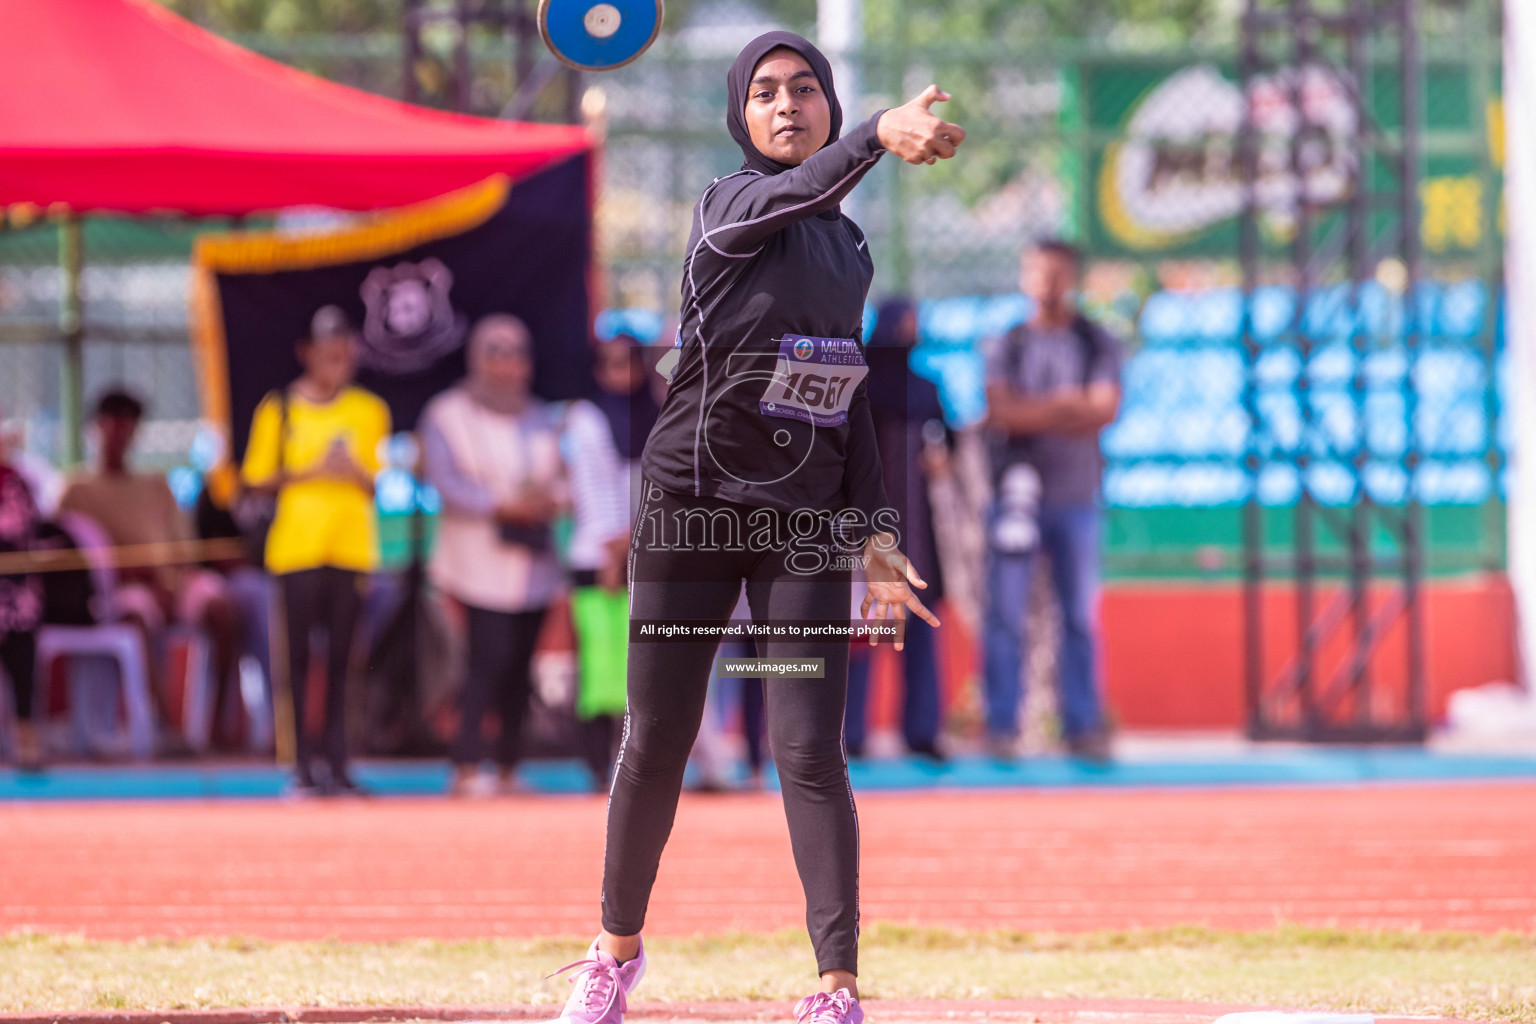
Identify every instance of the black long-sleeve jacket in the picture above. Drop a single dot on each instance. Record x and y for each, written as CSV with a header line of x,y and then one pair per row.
x,y
770,257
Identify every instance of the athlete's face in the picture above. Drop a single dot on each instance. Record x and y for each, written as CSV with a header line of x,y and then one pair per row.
x,y
787,112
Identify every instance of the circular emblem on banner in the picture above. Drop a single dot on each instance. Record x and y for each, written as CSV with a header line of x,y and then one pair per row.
x,y
805,348
409,322
596,35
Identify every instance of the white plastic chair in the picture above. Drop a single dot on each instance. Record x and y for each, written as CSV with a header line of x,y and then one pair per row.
x,y
118,641
199,696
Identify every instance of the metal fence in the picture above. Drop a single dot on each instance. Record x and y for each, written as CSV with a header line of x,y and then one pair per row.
x,y
133,290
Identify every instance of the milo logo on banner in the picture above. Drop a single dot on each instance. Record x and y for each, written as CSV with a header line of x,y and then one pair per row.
x,y
1177,171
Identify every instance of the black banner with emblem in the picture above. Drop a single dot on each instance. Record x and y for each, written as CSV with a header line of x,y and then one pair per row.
x,y
414,281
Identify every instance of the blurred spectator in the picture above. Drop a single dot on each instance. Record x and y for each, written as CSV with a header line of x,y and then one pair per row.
x,y
1053,383
628,401
630,394
40,474
711,756
248,588
597,557
21,608
492,451
316,444
603,441
754,717
905,408
139,509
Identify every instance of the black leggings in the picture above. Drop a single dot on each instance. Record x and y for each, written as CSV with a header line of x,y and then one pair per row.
x,y
18,654
500,655
699,580
330,598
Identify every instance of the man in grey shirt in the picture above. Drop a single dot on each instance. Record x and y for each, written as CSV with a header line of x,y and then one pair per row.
x,y
1053,383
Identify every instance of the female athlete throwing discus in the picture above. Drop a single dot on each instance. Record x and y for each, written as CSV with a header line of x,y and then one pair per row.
x,y
762,470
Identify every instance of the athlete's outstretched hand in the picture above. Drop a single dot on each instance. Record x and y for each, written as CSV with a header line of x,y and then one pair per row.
x,y
889,573
917,135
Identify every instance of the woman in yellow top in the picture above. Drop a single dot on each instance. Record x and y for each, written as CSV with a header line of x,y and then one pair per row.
x,y
316,445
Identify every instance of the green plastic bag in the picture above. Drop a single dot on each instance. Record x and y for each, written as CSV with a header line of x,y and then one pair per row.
x,y
601,619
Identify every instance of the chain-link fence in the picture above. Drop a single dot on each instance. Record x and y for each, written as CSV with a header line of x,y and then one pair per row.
x,y
133,290
953,229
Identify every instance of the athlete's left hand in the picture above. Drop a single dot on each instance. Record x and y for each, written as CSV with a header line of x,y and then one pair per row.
x,y
915,133
889,573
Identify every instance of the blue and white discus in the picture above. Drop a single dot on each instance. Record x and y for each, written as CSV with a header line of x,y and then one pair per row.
x,y
596,35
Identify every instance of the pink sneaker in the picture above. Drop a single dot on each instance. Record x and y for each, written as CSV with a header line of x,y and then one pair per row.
x,y
829,1008
602,985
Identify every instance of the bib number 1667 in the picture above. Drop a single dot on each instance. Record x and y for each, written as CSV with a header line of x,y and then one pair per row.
x,y
815,390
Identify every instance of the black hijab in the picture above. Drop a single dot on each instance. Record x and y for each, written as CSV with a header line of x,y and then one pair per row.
x,y
889,318
739,79
631,415
895,391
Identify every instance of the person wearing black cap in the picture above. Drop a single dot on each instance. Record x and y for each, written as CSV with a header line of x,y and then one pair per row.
x,y
762,470
315,445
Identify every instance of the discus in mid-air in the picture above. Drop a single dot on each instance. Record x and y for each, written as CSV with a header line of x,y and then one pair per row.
x,y
599,35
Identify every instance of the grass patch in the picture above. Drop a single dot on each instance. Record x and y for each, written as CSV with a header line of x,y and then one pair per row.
x,y
1450,974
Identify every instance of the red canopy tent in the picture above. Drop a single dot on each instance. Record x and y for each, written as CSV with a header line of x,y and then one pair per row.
x,y
119,105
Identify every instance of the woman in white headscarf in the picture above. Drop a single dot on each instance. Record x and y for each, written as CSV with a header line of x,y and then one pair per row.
x,y
491,448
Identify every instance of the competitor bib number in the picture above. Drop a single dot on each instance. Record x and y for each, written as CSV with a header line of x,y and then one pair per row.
x,y
814,380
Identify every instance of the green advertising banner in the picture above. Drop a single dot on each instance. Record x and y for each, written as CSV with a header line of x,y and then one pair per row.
x,y
1163,176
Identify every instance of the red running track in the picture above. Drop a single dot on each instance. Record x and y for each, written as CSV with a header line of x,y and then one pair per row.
x,y
1433,857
